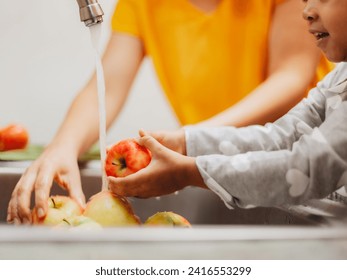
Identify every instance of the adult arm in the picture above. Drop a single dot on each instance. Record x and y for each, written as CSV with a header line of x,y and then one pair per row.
x,y
291,67
78,132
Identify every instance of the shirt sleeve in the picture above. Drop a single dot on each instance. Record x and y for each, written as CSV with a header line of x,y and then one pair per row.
x,y
125,18
302,156
273,136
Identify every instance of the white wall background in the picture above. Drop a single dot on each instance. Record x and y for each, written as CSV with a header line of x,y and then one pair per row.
x,y
46,57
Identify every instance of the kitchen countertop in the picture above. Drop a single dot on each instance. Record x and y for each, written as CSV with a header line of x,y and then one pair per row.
x,y
200,242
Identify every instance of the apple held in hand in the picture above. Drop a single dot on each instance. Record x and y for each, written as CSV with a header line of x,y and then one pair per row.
x,y
108,209
126,157
13,137
59,208
167,219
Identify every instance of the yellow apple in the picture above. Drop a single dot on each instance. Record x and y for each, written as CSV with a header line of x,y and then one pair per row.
x,y
59,208
167,219
79,222
109,209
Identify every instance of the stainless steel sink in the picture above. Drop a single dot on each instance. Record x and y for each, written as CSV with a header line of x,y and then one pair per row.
x,y
302,232
200,207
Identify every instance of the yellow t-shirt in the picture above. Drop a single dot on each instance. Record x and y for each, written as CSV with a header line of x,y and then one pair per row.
x,y
205,62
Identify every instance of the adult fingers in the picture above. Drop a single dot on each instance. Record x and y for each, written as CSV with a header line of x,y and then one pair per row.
x,y
43,186
19,204
71,181
75,190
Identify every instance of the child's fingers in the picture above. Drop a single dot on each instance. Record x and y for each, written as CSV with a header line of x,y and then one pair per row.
x,y
143,132
149,142
119,186
126,186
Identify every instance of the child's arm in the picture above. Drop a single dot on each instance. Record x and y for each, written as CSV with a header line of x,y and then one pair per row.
x,y
271,137
314,167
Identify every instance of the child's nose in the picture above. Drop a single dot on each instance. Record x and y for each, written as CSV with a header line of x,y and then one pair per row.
x,y
309,13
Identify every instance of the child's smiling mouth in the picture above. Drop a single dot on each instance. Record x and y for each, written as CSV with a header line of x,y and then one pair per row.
x,y
321,38
320,35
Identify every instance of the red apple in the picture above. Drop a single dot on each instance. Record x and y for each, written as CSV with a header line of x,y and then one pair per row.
x,y
13,137
59,208
126,157
167,219
109,209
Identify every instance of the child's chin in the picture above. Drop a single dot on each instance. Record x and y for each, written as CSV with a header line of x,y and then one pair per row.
x,y
336,56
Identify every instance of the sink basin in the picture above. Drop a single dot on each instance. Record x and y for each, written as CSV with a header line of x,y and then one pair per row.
x,y
200,207
300,232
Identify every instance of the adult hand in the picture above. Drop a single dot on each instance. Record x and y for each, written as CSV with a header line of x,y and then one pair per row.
x,y
55,164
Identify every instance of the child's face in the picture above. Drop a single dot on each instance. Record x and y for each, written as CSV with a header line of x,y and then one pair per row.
x,y
327,20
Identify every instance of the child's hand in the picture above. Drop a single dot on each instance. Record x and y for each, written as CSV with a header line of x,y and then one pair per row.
x,y
174,140
168,172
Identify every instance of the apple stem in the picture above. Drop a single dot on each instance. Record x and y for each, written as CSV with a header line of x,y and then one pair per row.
x,y
66,221
54,205
120,162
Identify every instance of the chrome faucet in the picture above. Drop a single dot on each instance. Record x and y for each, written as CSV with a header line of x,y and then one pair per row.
x,y
90,12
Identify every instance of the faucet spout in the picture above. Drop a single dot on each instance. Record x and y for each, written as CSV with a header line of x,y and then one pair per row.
x,y
90,12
